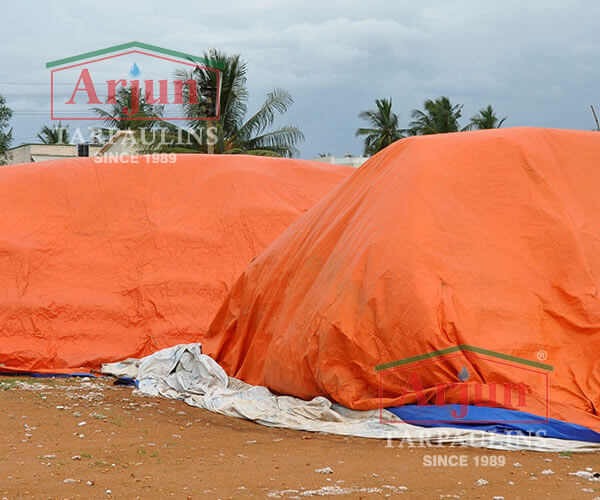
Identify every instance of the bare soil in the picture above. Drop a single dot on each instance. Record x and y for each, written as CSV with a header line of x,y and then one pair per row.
x,y
86,438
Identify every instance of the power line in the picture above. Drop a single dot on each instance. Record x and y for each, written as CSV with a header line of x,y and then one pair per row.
x,y
37,96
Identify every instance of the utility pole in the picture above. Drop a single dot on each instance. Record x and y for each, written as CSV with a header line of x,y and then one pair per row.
x,y
595,117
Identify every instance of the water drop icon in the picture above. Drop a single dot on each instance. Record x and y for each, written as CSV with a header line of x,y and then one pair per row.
x,y
463,374
135,71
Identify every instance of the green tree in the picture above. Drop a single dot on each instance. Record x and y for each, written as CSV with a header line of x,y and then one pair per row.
x,y
233,131
384,127
57,134
144,122
486,118
5,132
437,117
147,116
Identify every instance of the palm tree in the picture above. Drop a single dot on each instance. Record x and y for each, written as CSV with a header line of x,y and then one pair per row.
x,y
486,118
147,119
234,132
147,116
384,127
438,117
56,134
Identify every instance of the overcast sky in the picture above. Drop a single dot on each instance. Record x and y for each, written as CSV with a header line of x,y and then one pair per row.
x,y
536,61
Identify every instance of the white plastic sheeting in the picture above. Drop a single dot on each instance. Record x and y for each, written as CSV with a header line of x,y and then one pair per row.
x,y
183,372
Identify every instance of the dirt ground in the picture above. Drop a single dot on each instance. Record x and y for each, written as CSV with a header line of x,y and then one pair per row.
x,y
87,438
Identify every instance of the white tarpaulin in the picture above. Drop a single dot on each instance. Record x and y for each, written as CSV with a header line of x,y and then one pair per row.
x,y
183,372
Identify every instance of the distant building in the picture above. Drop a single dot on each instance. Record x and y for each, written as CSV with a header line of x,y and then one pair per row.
x,y
123,142
27,153
347,159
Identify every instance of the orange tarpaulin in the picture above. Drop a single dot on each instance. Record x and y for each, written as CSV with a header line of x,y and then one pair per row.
x,y
488,239
99,262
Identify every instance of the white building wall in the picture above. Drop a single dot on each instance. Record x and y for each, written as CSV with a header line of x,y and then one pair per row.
x,y
350,161
24,153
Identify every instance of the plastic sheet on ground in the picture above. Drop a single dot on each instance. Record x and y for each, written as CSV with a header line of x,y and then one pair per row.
x,y
184,373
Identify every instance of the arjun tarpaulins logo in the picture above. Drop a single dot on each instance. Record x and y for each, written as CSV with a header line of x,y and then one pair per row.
x,y
152,75
452,378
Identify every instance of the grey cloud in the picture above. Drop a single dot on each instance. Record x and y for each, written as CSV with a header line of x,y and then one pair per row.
x,y
535,61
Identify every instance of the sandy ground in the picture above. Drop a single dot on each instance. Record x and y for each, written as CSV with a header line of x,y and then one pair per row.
x,y
82,438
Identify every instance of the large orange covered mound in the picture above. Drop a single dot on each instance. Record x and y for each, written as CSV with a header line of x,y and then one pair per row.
x,y
489,239
99,262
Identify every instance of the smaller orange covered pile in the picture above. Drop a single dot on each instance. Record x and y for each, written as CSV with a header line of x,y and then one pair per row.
x,y
100,262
